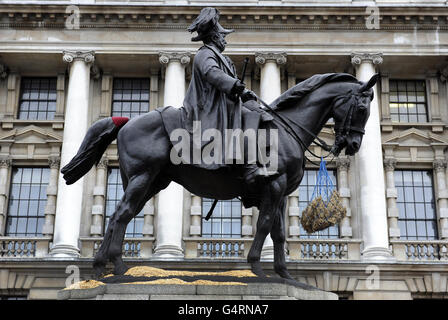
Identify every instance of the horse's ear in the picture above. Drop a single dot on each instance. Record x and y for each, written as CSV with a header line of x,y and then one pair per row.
x,y
367,85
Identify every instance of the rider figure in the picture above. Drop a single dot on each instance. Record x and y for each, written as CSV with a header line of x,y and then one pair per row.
x,y
213,97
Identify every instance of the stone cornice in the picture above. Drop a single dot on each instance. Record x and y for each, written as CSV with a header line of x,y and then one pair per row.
x,y
239,17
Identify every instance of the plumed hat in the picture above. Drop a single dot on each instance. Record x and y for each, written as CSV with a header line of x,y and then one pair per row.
x,y
206,24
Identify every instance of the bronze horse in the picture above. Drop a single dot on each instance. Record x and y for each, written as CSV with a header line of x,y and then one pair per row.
x,y
145,166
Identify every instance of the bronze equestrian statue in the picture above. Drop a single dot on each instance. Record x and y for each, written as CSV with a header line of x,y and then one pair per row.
x,y
298,115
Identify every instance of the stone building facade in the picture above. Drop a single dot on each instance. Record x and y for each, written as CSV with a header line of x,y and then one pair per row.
x,y
66,64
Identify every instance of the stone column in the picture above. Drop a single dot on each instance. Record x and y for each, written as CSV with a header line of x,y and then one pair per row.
x,y
99,195
343,165
270,89
69,201
371,172
270,78
5,165
170,200
391,198
442,197
52,192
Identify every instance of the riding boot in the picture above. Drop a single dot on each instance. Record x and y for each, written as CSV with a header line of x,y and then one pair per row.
x,y
254,175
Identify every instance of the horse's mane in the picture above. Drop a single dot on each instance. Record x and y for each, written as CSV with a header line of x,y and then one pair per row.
x,y
291,96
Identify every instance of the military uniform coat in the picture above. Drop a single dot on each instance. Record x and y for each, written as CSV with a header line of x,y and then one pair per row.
x,y
208,98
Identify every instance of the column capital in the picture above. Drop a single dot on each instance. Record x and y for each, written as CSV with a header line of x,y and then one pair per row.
x,y
182,57
86,56
374,58
278,57
54,162
5,161
439,165
103,163
343,163
390,164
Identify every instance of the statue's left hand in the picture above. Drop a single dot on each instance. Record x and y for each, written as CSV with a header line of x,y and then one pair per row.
x,y
248,95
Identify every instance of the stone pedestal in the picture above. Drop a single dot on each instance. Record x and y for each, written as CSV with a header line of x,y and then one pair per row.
x,y
251,291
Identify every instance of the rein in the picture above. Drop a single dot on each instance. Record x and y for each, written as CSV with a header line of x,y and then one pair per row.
x,y
321,143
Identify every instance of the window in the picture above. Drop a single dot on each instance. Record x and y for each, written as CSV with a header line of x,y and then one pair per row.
x,y
407,101
37,99
130,97
305,192
114,194
27,200
417,212
225,221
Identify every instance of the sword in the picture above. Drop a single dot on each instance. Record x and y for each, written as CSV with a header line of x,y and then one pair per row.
x,y
243,72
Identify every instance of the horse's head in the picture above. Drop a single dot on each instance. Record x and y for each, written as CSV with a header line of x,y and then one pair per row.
x,y
350,113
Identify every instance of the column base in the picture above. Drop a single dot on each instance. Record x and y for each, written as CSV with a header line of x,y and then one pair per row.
x,y
168,252
267,253
64,251
379,254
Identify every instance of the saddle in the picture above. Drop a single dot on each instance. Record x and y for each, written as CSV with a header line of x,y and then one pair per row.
x,y
253,118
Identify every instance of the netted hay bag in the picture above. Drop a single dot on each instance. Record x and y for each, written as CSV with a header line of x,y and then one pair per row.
x,y
319,216
336,210
315,209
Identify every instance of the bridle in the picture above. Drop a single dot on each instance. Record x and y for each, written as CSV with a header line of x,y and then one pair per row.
x,y
342,131
346,126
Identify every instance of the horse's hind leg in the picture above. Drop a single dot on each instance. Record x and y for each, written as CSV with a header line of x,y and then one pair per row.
x,y
138,191
278,237
272,196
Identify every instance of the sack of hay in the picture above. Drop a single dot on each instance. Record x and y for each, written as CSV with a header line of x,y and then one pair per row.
x,y
325,208
319,215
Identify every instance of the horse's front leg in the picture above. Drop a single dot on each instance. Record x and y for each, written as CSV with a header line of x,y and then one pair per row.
x,y
271,198
278,237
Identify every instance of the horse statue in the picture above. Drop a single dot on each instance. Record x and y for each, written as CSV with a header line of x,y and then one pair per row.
x,y
144,158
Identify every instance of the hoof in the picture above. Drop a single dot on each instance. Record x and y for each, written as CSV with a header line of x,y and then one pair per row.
x,y
100,269
284,274
120,269
256,269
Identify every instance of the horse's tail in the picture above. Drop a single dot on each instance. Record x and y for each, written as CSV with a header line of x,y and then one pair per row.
x,y
99,136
